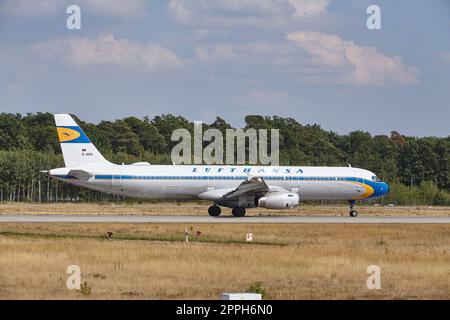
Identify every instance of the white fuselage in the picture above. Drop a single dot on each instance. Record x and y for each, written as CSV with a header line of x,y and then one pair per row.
x,y
236,187
184,182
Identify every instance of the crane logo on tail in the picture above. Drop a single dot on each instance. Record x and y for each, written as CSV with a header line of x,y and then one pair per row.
x,y
72,135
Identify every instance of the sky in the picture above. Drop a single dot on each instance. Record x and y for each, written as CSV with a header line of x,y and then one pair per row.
x,y
313,60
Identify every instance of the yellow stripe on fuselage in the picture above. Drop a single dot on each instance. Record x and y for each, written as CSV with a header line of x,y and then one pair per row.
x,y
368,191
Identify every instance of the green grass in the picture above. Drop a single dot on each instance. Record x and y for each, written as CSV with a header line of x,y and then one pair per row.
x,y
131,237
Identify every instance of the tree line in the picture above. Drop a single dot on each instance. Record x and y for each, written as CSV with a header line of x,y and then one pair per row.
x,y
418,169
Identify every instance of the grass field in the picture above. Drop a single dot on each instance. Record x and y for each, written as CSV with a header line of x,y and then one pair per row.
x,y
151,261
200,208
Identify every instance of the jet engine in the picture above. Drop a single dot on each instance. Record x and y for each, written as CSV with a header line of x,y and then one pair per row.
x,y
279,200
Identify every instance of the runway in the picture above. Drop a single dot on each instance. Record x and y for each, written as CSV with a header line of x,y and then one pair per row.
x,y
223,219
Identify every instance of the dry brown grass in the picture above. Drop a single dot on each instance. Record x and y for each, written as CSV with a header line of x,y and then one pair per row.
x,y
200,208
316,261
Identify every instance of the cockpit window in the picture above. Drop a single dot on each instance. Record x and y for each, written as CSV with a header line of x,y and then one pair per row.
x,y
376,179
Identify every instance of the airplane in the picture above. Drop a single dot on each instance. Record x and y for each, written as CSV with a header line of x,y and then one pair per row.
x,y
238,187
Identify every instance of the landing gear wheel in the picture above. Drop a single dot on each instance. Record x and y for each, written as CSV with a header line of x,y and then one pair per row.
x,y
238,211
214,211
353,212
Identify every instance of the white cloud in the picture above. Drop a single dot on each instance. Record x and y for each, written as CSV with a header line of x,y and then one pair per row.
x,y
366,65
119,8
109,51
308,8
313,57
179,11
253,53
228,13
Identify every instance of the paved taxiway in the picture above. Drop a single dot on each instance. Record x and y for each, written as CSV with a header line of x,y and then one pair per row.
x,y
222,219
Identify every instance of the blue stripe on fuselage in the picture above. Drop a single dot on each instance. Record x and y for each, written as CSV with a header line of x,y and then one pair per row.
x,y
380,188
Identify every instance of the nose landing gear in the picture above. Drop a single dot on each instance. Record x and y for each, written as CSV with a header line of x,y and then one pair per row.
x,y
353,212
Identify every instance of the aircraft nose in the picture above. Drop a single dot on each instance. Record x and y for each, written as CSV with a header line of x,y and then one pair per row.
x,y
385,188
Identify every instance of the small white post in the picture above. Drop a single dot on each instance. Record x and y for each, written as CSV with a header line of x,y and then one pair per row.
x,y
186,235
241,296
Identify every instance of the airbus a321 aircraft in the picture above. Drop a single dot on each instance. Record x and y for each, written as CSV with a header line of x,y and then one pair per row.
x,y
236,187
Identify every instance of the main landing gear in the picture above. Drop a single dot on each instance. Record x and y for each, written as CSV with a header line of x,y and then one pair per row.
x,y
214,211
353,212
238,211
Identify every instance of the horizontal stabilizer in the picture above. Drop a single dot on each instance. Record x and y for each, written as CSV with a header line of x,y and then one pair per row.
x,y
80,174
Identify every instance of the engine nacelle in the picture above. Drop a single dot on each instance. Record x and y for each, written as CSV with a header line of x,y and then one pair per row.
x,y
279,200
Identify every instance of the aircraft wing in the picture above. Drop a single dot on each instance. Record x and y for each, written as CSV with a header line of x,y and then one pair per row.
x,y
250,187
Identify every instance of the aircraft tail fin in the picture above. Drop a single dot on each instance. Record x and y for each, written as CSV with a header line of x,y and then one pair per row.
x,y
76,147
